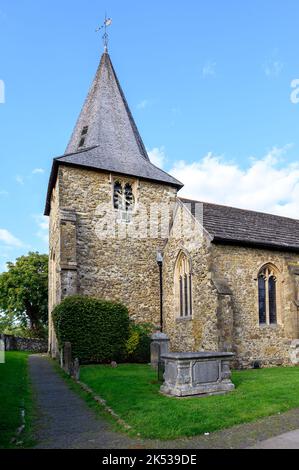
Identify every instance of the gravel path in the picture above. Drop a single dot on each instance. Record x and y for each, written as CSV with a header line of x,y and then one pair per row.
x,y
64,421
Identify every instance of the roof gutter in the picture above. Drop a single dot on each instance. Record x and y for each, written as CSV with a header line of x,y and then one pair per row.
x,y
254,244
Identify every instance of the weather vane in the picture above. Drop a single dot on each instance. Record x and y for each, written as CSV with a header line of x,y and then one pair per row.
x,y
107,23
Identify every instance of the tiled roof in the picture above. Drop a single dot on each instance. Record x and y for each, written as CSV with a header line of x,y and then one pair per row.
x,y
249,228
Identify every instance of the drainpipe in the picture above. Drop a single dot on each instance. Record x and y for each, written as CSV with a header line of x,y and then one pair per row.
x,y
160,264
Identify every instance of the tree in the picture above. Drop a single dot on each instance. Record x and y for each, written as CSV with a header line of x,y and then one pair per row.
x,y
24,292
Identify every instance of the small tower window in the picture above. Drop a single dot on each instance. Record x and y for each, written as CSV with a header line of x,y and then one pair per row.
x,y
83,136
129,197
123,201
117,195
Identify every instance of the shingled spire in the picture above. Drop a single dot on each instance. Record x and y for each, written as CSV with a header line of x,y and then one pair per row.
x,y
106,120
106,137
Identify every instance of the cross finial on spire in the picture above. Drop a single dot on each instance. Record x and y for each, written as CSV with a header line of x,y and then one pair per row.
x,y
107,22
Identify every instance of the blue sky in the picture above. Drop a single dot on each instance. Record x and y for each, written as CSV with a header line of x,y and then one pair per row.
x,y
209,84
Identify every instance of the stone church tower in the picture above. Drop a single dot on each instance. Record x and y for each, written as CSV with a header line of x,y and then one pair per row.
x,y
103,183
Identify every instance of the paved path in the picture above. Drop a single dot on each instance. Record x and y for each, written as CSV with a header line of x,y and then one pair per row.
x,y
64,421
289,440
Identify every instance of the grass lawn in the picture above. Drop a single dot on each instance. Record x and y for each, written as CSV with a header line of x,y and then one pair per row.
x,y
15,396
132,391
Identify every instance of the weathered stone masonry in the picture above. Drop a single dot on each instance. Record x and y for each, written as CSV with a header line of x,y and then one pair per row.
x,y
210,327
225,299
117,269
239,266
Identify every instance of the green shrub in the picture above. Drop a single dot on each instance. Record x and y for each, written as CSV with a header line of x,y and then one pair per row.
x,y
97,329
139,342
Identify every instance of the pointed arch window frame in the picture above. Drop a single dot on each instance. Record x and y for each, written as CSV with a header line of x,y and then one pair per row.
x,y
268,295
183,286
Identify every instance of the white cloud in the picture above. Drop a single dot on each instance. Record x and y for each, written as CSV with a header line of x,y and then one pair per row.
x,y
38,171
209,69
267,184
157,156
43,227
8,239
3,192
143,104
19,179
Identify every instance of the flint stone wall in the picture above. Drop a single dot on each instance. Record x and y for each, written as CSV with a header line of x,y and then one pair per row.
x,y
16,343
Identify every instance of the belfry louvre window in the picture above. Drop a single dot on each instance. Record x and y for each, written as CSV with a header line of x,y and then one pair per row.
x,y
117,195
129,198
123,201
184,286
267,292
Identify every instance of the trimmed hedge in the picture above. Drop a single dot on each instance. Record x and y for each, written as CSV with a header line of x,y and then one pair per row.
x,y
139,343
97,329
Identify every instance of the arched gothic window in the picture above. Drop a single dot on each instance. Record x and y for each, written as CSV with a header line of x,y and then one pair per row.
x,y
123,200
184,286
267,291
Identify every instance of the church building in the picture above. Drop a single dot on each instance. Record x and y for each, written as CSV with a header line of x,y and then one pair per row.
x,y
229,278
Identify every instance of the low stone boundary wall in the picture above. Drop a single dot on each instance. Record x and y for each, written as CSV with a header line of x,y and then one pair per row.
x,y
15,343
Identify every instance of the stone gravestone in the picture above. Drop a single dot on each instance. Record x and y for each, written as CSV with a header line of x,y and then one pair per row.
x,y
159,347
2,349
67,357
294,352
76,369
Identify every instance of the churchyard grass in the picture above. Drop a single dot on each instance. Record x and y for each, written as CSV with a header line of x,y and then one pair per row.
x,y
15,399
133,392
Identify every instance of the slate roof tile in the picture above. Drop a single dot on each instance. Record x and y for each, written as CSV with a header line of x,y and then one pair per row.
x,y
245,227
